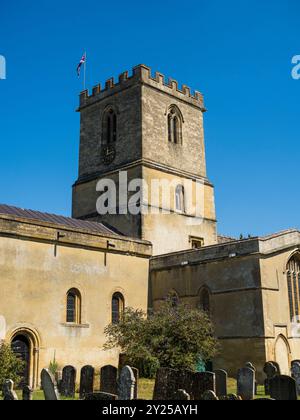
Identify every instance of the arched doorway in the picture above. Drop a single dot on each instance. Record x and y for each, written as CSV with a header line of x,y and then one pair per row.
x,y
21,347
25,343
282,355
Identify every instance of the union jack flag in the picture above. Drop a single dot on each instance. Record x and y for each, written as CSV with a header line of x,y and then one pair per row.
x,y
82,61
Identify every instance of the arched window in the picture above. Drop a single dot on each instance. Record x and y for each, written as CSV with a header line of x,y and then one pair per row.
x,y
109,127
175,121
293,279
205,300
117,307
180,199
74,306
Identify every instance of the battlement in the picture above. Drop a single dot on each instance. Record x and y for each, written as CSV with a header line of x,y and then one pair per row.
x,y
141,74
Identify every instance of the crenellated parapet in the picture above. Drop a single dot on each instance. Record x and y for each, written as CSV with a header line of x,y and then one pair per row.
x,y
141,74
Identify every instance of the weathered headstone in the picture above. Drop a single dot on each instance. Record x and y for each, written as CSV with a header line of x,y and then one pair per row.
x,y
277,367
221,382
86,381
126,384
108,379
168,381
209,396
49,386
8,391
296,374
202,382
283,388
246,383
250,366
181,395
68,382
270,370
166,384
27,393
137,377
100,396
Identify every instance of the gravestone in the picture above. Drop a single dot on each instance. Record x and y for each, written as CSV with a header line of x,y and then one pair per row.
x,y
49,386
100,396
296,374
166,384
221,382
126,384
68,382
168,381
246,383
8,391
283,388
181,395
86,381
209,396
137,377
108,379
202,382
277,367
270,371
250,366
27,393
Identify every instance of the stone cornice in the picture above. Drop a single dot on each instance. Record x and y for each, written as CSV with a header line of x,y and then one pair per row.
x,y
146,163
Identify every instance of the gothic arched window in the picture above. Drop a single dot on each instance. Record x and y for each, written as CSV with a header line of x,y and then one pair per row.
x,y
73,306
175,121
117,307
293,279
205,300
109,127
180,199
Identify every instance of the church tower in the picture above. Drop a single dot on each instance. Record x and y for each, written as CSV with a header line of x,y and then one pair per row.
x,y
144,128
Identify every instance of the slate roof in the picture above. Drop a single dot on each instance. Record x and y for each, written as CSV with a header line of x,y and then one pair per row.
x,y
58,220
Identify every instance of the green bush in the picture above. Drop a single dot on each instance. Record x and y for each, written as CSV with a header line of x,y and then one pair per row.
x,y
147,367
10,365
175,336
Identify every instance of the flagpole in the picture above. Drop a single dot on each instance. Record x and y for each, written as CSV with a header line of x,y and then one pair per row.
x,y
84,73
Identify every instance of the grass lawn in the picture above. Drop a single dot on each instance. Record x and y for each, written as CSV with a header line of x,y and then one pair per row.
x,y
146,387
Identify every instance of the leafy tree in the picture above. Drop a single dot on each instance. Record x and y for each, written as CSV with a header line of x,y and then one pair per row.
x,y
10,365
175,336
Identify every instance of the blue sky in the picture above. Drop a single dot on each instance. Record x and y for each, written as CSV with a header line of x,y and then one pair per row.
x,y
238,53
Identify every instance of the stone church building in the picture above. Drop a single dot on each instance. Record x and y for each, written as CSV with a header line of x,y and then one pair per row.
x,y
63,280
